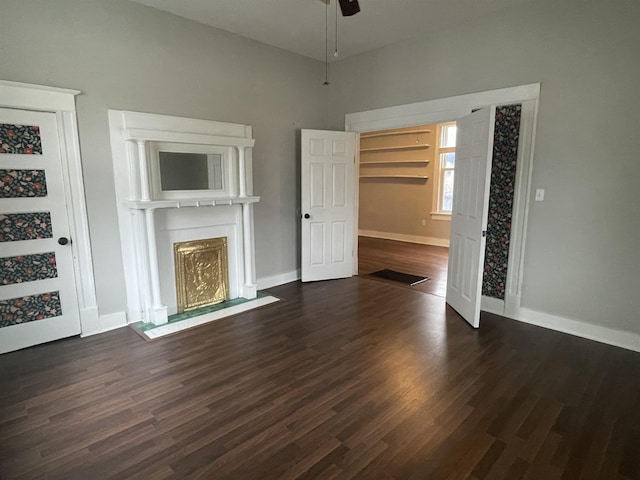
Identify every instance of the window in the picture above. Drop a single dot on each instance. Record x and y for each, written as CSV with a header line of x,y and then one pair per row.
x,y
444,171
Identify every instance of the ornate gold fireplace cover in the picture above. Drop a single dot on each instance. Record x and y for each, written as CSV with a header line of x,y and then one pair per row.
x,y
202,273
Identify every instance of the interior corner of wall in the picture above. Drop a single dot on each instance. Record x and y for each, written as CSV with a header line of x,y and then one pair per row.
x,y
264,283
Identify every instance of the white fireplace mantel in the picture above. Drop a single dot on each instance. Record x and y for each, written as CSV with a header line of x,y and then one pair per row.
x,y
134,138
189,202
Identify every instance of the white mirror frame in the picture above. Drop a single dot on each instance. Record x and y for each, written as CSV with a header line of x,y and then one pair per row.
x,y
228,174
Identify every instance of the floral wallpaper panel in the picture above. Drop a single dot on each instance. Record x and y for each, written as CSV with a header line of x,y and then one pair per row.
x,y
25,226
503,177
28,309
27,268
22,183
20,139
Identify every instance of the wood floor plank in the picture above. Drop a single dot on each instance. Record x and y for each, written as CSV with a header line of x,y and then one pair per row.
x,y
353,378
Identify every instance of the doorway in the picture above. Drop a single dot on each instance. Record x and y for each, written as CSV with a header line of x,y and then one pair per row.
x,y
454,108
48,291
405,202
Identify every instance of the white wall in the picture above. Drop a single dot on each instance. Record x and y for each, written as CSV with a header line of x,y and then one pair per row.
x,y
583,251
582,258
122,55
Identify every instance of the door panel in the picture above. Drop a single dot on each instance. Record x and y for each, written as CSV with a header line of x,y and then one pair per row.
x,y
37,287
339,186
317,244
327,204
316,182
469,219
338,242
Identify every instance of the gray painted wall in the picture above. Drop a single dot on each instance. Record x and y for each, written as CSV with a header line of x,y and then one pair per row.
x,y
125,56
582,257
583,249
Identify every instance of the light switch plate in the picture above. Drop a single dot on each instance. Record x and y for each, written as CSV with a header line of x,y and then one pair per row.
x,y
539,194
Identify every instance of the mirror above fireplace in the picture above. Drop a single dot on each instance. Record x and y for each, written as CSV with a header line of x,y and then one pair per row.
x,y
190,171
184,171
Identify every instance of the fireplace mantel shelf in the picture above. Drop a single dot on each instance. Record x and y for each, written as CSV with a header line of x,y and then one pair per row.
x,y
190,202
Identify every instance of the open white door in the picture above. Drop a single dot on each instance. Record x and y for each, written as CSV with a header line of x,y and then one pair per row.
x,y
327,202
474,150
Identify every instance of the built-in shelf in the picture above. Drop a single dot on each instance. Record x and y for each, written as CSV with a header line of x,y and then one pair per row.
x,y
390,162
411,177
412,146
191,202
389,134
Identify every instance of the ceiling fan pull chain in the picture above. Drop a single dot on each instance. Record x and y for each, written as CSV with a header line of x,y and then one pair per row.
x,y
326,44
335,53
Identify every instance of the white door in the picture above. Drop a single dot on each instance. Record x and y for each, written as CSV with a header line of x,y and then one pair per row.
x,y
38,300
327,202
474,150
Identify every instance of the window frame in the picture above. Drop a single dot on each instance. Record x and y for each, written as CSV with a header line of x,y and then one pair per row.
x,y
438,173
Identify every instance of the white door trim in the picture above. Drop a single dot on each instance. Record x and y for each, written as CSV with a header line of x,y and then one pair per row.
x,y
452,108
24,96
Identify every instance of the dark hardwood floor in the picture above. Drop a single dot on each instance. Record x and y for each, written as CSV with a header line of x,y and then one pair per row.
x,y
342,379
377,254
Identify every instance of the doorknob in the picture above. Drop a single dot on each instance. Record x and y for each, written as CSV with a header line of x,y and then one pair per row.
x,y
63,240
306,215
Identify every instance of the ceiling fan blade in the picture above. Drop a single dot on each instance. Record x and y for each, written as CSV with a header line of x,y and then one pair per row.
x,y
349,7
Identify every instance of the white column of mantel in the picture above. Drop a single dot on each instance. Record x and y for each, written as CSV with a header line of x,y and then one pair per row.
x,y
242,172
144,170
142,267
249,289
157,312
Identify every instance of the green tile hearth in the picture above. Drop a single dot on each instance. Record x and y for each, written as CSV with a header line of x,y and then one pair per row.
x,y
199,311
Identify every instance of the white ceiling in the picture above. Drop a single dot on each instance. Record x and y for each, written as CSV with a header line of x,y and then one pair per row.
x,y
299,25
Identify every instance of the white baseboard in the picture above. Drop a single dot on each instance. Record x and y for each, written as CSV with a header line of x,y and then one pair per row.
x,y
492,305
106,323
610,336
401,237
89,321
281,279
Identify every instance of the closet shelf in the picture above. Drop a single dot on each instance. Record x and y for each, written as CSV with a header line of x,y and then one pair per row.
x,y
411,177
398,147
389,134
389,162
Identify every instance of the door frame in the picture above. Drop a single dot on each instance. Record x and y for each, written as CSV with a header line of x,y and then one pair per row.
x,y
61,102
452,108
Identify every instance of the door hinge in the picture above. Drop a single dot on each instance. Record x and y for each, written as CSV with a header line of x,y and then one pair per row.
x,y
484,233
